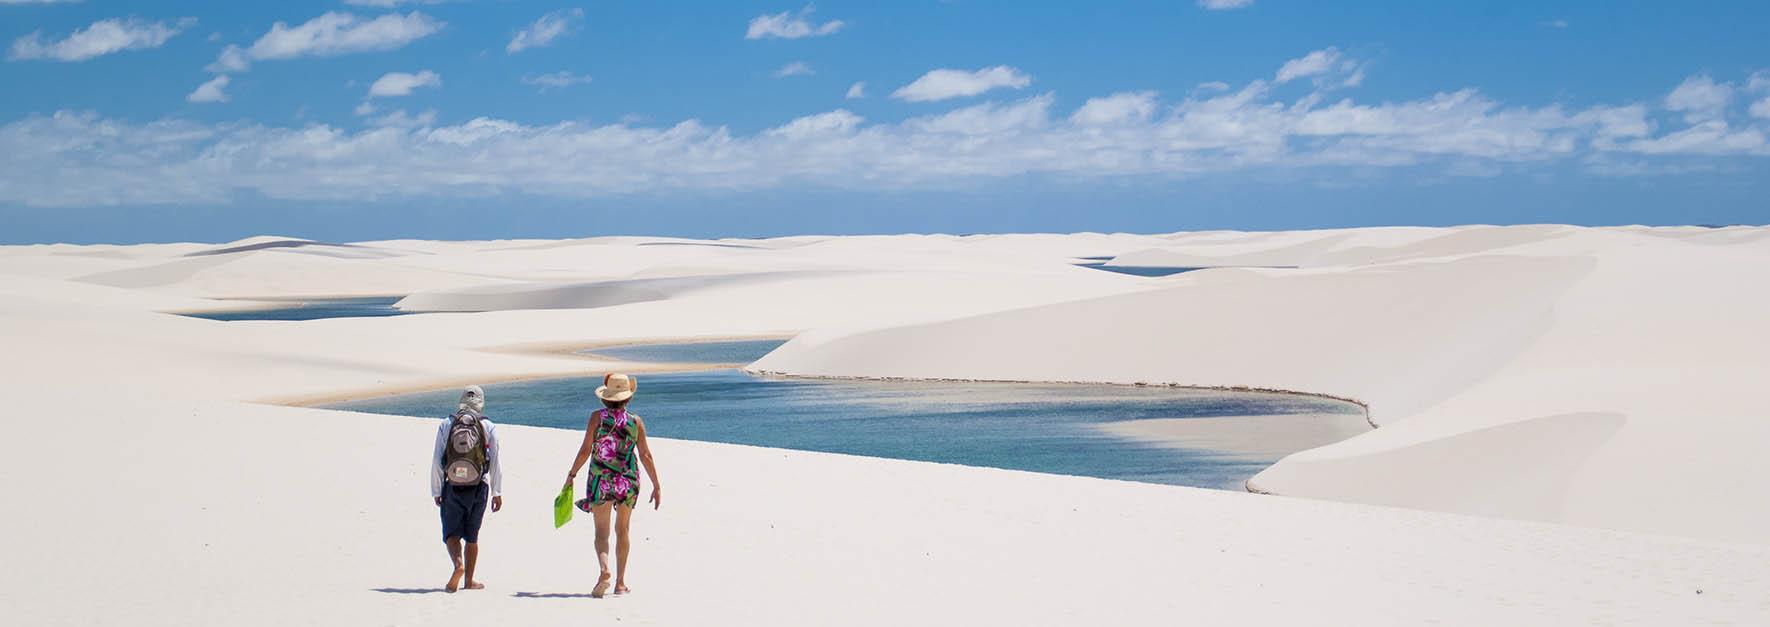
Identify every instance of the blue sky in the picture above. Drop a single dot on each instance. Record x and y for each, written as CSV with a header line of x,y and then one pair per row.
x,y
369,119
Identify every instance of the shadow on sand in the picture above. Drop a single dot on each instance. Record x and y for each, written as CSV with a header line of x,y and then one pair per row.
x,y
409,590
553,595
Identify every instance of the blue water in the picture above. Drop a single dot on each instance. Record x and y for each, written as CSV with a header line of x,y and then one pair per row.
x,y
1138,270
313,310
721,352
1042,428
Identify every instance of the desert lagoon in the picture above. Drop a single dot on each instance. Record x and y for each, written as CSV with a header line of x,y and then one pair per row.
x,y
1178,436
310,309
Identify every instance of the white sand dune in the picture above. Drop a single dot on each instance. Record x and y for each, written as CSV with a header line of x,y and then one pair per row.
x,y
1598,377
582,295
1647,339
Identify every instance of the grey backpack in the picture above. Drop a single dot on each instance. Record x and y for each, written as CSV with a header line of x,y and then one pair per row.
x,y
464,455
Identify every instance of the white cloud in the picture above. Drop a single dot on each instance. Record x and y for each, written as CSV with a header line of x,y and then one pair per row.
x,y
76,159
1713,137
401,120
1761,108
39,1
545,29
1758,83
1118,108
394,84
796,68
786,25
1213,86
1313,64
98,39
831,124
944,83
210,91
1555,23
1326,69
364,108
1222,5
330,34
1700,98
857,90
555,80
232,59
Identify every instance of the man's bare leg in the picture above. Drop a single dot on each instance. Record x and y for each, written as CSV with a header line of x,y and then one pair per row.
x,y
454,544
472,558
623,543
601,514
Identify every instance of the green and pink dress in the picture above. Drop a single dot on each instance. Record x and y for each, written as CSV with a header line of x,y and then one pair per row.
x,y
614,477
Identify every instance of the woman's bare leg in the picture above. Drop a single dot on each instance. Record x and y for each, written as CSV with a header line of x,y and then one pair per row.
x,y
623,543
601,514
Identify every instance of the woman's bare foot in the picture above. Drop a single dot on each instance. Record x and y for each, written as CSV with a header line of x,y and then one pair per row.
x,y
601,588
621,588
455,579
475,585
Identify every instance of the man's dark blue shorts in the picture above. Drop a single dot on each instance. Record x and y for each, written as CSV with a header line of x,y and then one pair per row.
x,y
463,508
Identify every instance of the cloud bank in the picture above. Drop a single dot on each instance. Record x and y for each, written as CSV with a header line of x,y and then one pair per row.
x,y
74,159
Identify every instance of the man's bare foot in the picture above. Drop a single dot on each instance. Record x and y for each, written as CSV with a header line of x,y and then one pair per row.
x,y
475,585
621,588
601,588
455,580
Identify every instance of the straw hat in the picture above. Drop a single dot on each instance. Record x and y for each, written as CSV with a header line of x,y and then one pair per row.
x,y
616,387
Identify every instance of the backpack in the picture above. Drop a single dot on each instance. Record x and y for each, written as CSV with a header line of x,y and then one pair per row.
x,y
464,455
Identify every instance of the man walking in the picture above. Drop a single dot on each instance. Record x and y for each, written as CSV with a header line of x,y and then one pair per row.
x,y
463,469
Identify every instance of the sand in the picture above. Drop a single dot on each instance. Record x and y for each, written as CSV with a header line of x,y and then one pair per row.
x,y
1606,377
1539,377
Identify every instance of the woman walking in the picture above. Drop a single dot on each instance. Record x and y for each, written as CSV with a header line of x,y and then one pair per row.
x,y
614,438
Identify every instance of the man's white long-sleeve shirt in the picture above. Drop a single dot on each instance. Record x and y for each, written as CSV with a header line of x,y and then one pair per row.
x,y
494,475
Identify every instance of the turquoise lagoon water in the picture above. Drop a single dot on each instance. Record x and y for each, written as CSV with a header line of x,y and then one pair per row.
x,y
313,310
717,352
1042,428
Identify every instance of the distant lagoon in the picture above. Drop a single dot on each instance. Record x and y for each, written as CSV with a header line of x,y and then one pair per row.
x,y
1053,428
315,309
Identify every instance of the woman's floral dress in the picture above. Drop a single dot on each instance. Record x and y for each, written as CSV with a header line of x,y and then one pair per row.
x,y
613,477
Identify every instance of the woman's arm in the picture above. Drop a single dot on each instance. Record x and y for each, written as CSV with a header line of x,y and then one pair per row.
x,y
583,450
651,468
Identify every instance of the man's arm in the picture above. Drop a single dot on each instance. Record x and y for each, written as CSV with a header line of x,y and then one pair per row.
x,y
495,472
436,469
493,443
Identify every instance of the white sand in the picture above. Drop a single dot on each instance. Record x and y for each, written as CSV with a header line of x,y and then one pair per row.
x,y
1253,437
1599,377
1564,377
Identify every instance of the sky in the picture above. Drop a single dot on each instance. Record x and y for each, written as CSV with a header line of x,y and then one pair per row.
x,y
356,120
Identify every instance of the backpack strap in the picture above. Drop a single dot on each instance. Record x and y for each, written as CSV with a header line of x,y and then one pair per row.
x,y
485,446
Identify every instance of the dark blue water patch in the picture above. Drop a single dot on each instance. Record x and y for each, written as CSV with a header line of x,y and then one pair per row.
x,y
313,310
1138,270
721,352
1041,428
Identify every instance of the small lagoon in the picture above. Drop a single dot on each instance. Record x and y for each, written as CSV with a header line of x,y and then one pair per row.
x,y
1052,428
312,310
